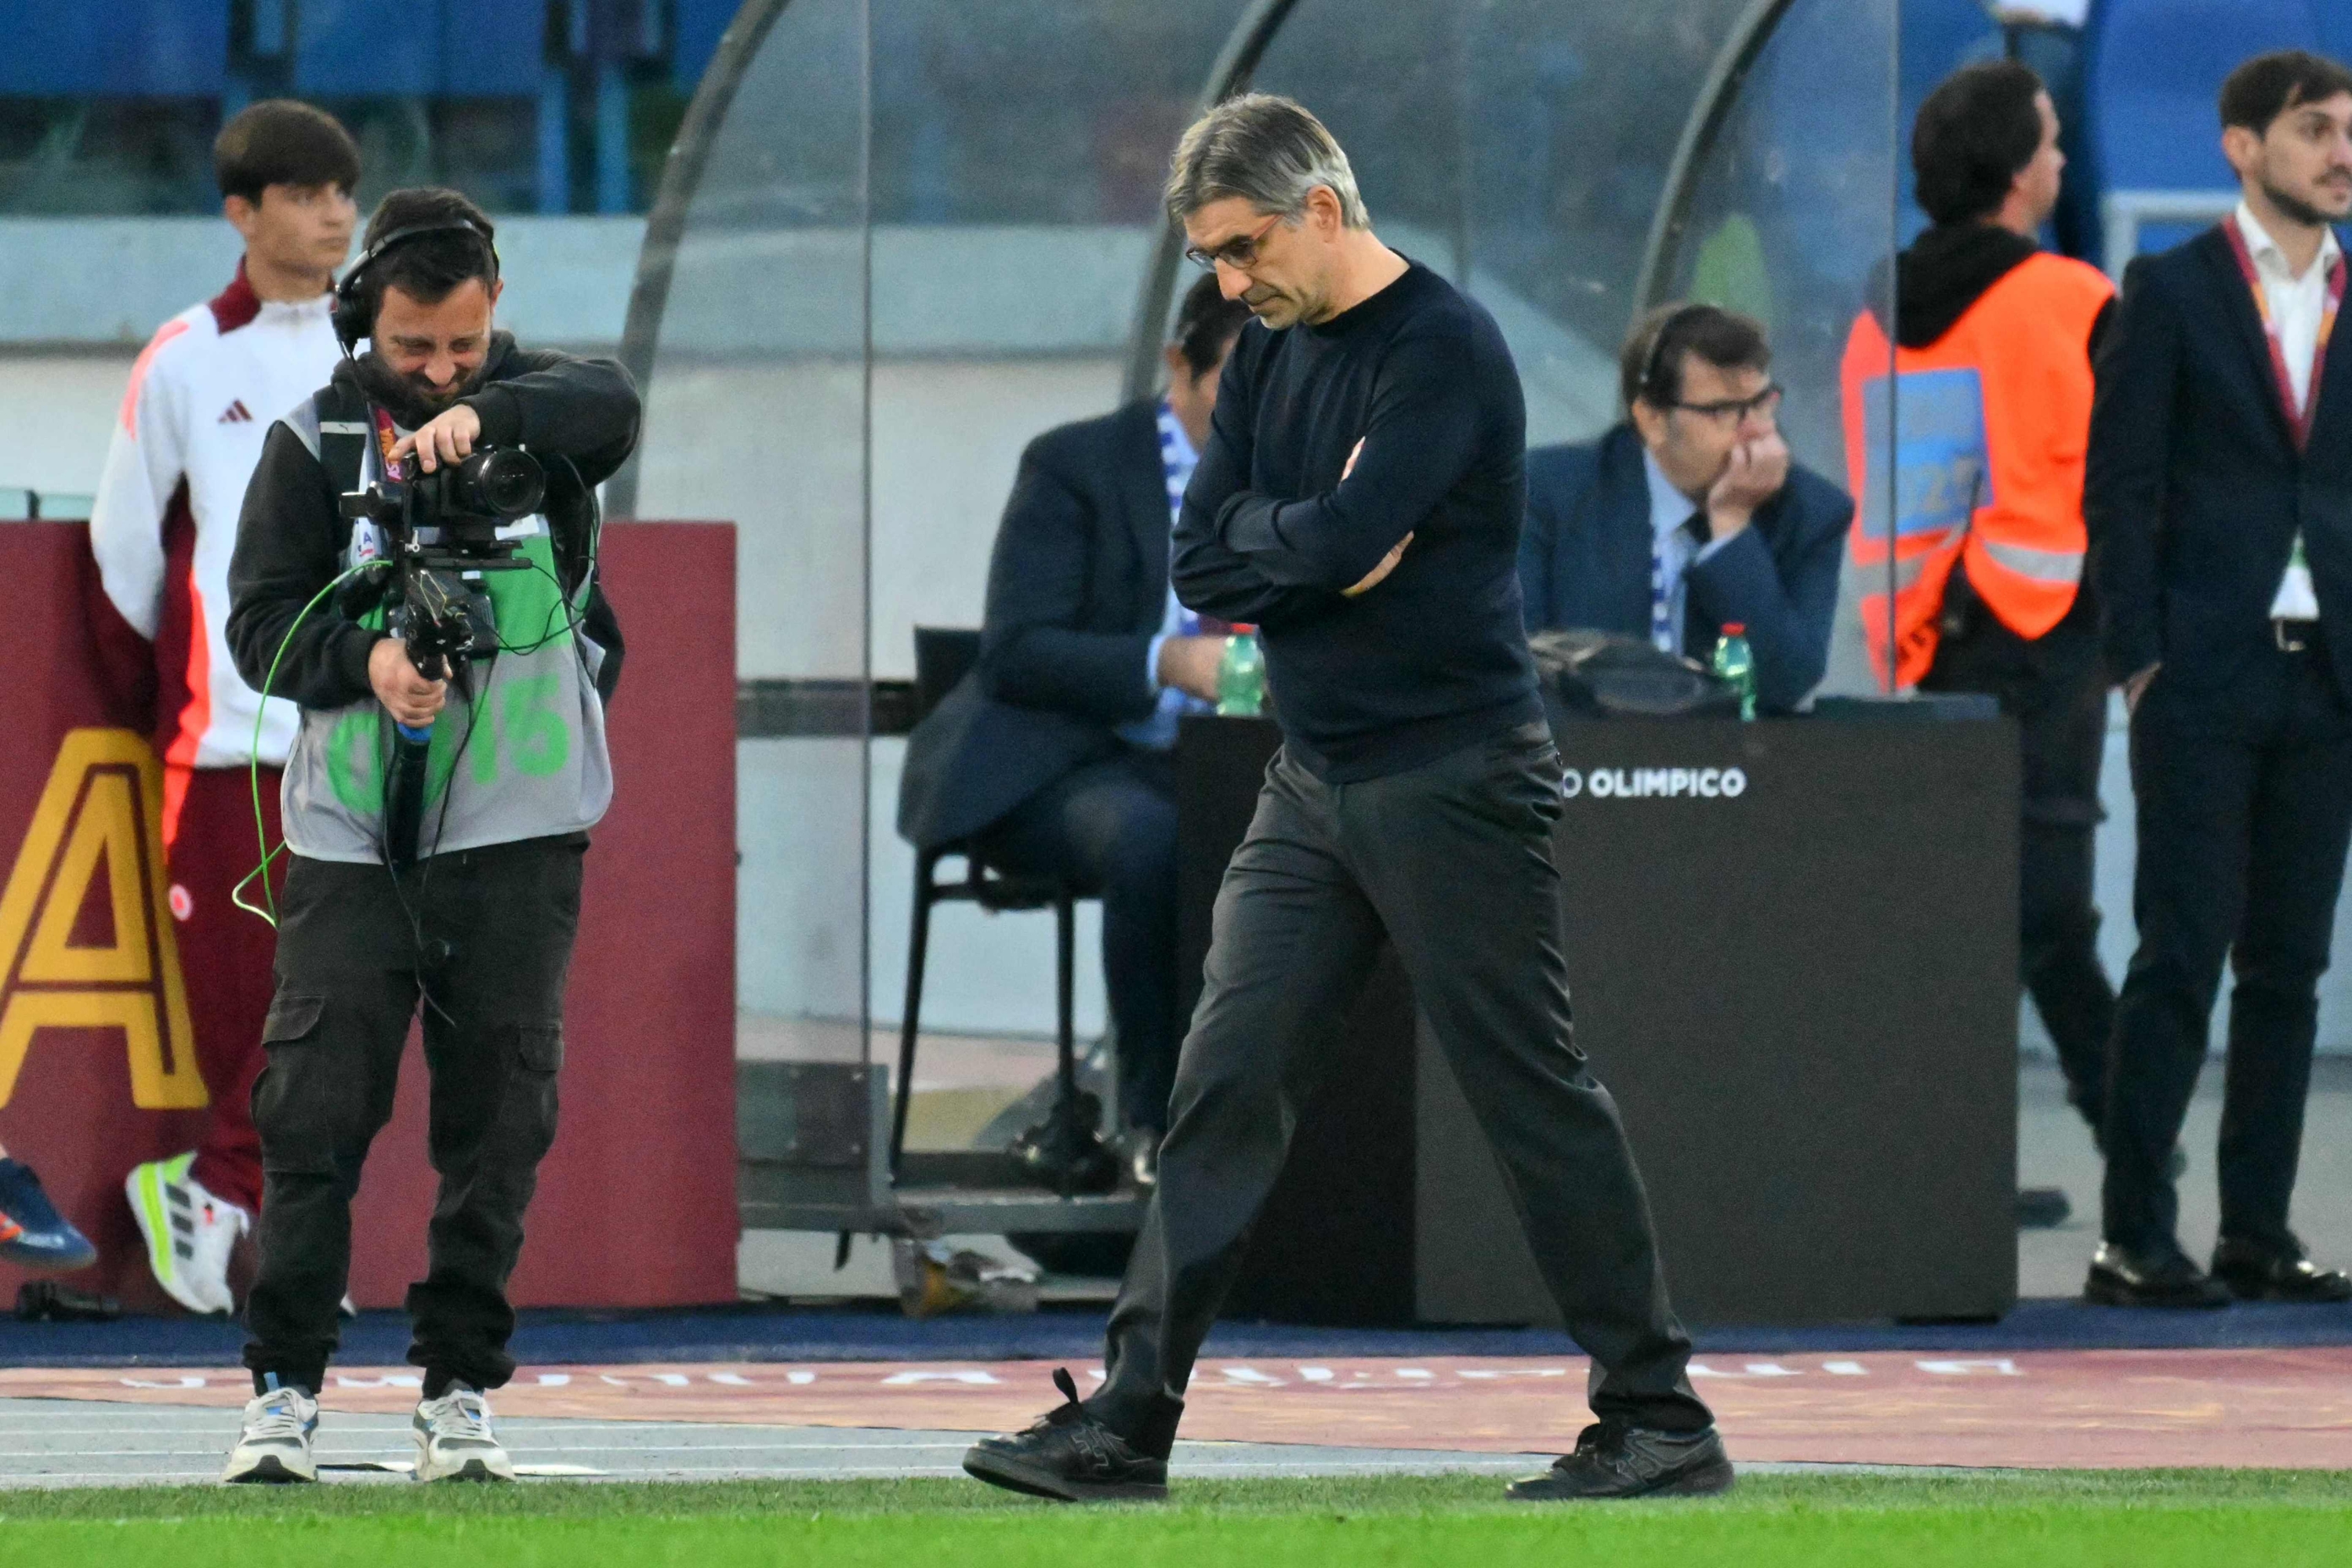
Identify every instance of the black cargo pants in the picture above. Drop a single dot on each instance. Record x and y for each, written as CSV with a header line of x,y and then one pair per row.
x,y
481,939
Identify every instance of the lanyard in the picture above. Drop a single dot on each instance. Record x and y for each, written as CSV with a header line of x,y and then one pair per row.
x,y
2298,420
1662,608
387,436
1178,473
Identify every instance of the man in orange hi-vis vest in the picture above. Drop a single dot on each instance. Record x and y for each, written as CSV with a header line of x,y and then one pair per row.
x,y
1981,590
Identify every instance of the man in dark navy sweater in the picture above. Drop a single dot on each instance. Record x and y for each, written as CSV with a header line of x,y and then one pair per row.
x,y
1360,499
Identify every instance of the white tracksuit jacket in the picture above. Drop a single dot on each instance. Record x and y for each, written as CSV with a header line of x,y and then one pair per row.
x,y
203,395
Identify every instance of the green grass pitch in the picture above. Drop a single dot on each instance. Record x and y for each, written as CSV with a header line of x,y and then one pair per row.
x,y
2081,1518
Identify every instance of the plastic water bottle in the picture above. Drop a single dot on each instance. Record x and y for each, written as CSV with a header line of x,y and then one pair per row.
x,y
1241,676
1736,664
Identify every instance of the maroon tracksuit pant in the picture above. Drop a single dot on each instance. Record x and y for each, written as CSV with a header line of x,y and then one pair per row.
x,y
224,956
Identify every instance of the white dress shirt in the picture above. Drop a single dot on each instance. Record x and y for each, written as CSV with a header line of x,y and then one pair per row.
x,y
1675,546
1157,732
2296,306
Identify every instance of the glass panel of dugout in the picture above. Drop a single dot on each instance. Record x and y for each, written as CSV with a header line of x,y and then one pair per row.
x,y
900,238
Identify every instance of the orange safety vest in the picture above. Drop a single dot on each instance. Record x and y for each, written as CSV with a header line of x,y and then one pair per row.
x,y
1991,424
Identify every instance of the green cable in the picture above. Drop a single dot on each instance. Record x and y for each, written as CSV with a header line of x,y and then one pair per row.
x,y
261,824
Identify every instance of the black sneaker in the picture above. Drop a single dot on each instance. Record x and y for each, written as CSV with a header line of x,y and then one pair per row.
x,y
1616,1460
1068,1456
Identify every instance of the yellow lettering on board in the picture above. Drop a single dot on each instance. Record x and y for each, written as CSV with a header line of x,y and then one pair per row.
x,y
102,806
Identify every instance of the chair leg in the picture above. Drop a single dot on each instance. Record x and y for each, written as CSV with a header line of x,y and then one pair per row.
x,y
910,1016
1065,1062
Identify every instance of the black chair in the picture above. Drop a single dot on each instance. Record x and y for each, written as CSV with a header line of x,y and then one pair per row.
x,y
943,656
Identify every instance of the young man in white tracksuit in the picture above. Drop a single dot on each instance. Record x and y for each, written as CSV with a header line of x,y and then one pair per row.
x,y
202,398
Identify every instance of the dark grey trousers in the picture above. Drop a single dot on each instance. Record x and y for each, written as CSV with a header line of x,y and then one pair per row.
x,y
482,939
1453,861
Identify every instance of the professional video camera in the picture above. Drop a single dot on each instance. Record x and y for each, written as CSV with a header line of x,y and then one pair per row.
x,y
440,533
440,529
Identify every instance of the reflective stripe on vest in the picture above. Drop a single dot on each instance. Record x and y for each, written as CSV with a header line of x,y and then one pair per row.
x,y
1985,431
2041,566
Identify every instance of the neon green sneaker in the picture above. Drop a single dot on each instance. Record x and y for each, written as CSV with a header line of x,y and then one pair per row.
x,y
189,1232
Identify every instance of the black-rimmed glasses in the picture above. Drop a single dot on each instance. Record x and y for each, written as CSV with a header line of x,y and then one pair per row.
x,y
1238,252
1731,411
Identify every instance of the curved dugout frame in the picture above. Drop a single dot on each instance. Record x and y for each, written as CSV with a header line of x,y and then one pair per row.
x,y
1716,96
666,224
1253,34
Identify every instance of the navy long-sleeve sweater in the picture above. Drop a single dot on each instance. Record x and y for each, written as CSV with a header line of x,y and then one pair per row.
x,y
1433,659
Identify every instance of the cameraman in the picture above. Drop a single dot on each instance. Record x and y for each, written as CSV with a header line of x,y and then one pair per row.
x,y
475,916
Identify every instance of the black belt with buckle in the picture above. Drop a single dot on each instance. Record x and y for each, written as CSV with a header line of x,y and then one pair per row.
x,y
2294,636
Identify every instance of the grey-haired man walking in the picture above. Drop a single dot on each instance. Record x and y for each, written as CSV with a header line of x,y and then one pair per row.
x,y
1359,501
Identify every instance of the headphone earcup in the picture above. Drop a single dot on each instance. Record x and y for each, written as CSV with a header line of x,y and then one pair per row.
x,y
344,313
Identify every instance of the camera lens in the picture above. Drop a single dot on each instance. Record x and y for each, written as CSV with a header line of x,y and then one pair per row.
x,y
502,482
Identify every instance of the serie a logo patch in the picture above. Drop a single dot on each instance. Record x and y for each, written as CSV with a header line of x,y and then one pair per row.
x,y
86,926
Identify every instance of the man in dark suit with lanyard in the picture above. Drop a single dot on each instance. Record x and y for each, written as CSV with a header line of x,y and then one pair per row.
x,y
2219,500
1055,749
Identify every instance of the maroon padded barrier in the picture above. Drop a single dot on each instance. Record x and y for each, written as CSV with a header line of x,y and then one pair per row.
x,y
636,1205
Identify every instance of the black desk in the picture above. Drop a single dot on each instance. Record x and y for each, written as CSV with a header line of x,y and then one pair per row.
x,y
1792,948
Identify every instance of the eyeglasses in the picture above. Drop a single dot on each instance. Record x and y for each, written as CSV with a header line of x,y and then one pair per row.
x,y
1732,411
1239,252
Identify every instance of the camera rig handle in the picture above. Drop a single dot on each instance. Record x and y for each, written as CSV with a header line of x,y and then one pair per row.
x,y
444,620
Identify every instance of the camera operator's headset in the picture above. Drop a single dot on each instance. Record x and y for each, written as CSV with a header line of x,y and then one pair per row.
x,y
342,433
349,313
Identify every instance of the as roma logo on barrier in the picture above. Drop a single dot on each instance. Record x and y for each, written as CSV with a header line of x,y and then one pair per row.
x,y
99,816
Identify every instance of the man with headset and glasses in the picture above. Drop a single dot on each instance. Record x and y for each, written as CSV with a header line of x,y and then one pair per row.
x,y
474,920
1688,516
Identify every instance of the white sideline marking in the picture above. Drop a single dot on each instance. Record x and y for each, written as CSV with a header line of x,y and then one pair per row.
x,y
2002,1367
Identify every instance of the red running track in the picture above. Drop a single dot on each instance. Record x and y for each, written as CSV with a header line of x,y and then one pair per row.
x,y
2096,1409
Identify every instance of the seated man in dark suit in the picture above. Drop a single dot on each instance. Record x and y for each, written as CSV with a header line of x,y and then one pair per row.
x,y
1689,516
1054,751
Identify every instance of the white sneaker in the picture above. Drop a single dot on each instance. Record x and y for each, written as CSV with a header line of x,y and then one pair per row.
x,y
275,1443
454,1440
189,1232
